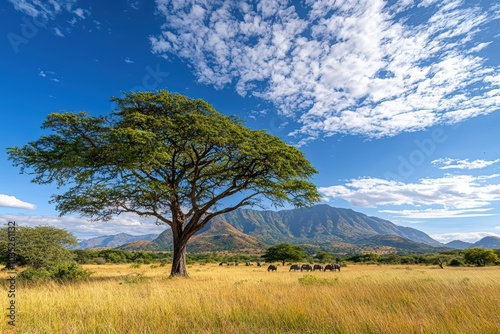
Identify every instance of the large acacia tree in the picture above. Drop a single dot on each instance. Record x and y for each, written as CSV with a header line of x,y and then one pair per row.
x,y
165,156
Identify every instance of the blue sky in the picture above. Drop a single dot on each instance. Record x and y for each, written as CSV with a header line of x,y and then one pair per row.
x,y
395,103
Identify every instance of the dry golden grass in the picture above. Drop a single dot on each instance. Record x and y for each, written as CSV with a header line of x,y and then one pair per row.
x,y
360,299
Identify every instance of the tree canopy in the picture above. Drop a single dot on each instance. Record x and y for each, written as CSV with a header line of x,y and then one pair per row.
x,y
166,156
284,252
480,256
39,247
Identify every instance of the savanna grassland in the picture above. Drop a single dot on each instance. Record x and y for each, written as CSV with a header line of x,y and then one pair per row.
x,y
359,299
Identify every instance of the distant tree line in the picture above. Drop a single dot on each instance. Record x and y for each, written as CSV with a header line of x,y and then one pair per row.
x,y
118,256
44,254
472,256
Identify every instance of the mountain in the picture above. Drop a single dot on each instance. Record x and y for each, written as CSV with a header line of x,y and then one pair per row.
x,y
458,244
141,245
384,243
320,226
215,236
487,242
114,240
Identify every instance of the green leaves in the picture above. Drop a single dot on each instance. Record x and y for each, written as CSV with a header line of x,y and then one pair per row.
x,y
284,252
159,153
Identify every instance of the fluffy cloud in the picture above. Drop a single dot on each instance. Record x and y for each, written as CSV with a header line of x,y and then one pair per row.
x,y
464,236
12,202
369,68
446,197
447,163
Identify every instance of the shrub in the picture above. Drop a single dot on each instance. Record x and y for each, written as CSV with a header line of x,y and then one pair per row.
x,y
313,280
71,271
60,272
35,275
456,262
100,260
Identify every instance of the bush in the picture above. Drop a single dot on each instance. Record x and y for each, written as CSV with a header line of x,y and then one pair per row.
x,y
60,272
35,275
456,263
313,280
100,260
71,271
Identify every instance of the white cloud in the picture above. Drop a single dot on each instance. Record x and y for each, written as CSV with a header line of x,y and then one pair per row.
x,y
44,12
448,163
82,229
81,13
463,236
446,197
128,60
43,9
58,32
12,202
440,213
342,66
49,75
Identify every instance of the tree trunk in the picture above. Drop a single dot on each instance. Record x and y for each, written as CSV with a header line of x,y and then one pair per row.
x,y
179,261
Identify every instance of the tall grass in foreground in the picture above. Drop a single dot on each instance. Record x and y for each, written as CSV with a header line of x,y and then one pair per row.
x,y
360,299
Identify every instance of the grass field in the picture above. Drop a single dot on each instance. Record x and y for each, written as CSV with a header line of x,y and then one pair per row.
x,y
359,299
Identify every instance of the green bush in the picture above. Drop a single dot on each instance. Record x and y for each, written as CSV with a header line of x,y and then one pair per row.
x,y
100,260
35,275
60,272
313,280
71,271
456,262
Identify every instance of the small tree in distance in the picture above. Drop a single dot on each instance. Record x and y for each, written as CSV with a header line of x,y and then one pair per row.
x,y
165,156
40,246
284,252
480,256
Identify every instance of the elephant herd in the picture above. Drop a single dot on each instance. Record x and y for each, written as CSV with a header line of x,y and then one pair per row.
x,y
308,267
294,267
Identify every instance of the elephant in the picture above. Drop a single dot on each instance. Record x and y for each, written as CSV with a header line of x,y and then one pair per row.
x,y
318,267
272,267
333,267
294,267
306,267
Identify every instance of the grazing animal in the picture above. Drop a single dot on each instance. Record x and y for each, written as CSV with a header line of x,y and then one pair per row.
x,y
332,267
248,264
329,267
258,264
318,267
236,263
223,263
294,267
272,267
306,267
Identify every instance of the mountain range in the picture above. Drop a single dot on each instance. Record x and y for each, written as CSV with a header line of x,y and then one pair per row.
x,y
113,240
486,242
319,227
